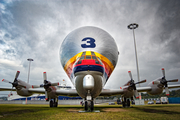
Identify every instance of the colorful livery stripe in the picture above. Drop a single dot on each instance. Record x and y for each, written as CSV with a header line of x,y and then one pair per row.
x,y
89,60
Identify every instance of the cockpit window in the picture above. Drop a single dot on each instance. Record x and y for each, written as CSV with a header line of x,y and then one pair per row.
x,y
82,58
84,53
92,53
88,57
79,62
100,61
96,61
94,58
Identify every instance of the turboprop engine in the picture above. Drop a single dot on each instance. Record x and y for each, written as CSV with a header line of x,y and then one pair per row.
x,y
21,86
160,84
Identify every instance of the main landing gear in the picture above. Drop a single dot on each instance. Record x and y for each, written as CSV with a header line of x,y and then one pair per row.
x,y
126,102
53,102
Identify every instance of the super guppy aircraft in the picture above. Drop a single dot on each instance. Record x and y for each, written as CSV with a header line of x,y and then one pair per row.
x,y
89,55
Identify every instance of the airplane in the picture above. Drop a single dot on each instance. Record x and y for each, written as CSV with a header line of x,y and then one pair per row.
x,y
89,56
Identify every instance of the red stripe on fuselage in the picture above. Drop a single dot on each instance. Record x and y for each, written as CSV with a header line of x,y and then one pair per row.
x,y
88,62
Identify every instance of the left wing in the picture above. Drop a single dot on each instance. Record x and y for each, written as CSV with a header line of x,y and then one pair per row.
x,y
7,89
71,92
111,92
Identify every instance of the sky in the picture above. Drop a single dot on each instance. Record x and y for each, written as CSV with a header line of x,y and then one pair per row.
x,y
36,29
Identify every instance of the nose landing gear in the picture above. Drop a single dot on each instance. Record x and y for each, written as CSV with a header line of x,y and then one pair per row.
x,y
89,105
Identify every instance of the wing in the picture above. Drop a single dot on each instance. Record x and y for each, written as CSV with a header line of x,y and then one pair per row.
x,y
71,92
174,86
7,89
111,92
144,89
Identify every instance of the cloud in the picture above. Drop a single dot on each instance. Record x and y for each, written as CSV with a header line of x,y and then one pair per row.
x,y
36,29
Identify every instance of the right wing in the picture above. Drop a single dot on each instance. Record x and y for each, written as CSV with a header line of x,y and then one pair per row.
x,y
111,92
174,86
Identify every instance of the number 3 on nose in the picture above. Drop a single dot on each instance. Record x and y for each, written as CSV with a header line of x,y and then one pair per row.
x,y
90,43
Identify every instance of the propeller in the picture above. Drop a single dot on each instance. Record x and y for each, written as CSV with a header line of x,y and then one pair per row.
x,y
46,85
15,82
164,82
133,85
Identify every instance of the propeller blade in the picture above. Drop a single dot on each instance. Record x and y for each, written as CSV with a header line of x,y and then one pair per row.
x,y
136,93
163,72
175,80
142,81
44,76
46,96
17,74
130,74
167,91
11,90
6,81
55,84
156,82
36,86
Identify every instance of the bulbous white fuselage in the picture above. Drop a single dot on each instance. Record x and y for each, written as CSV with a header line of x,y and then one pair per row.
x,y
89,51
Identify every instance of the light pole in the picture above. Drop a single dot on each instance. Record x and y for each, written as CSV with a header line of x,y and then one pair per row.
x,y
29,59
29,67
132,27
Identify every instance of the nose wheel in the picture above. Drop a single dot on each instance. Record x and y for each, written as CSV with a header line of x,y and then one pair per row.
x,y
89,105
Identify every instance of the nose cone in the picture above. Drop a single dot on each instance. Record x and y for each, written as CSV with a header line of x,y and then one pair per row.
x,y
88,82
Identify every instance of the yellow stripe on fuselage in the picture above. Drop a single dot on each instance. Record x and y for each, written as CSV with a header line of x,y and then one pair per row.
x,y
103,58
73,59
88,52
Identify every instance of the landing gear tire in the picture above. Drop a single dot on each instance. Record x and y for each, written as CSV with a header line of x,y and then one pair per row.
x,y
86,106
128,103
92,106
54,102
89,106
124,102
51,103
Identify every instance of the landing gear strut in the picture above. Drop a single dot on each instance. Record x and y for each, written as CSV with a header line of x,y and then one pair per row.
x,y
53,102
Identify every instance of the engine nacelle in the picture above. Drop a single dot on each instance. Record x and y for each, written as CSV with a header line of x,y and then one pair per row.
x,y
157,87
22,88
23,92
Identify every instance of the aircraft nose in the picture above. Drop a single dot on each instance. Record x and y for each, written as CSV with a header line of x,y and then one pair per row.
x,y
88,82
